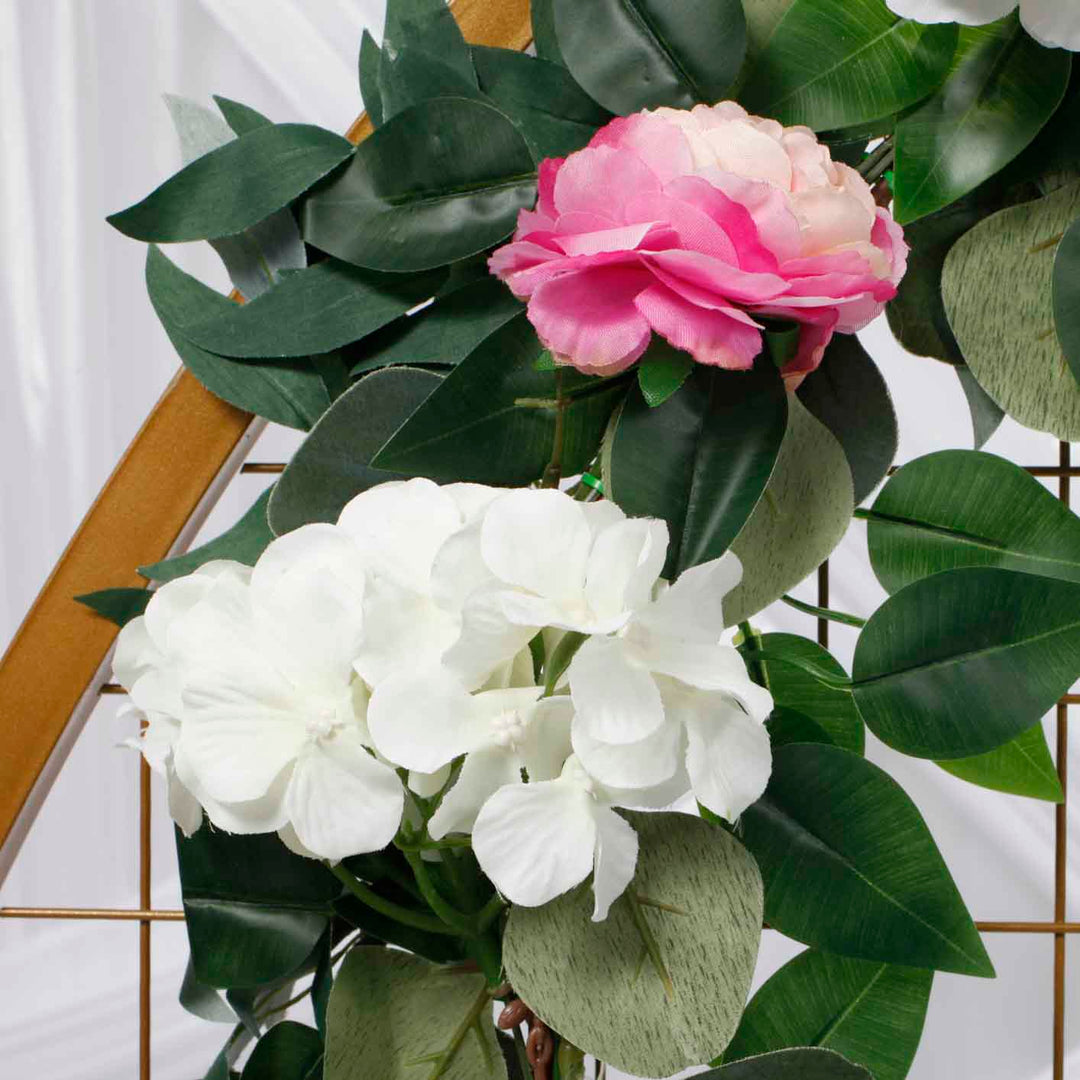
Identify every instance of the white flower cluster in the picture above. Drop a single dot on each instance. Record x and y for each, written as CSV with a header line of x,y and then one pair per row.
x,y
293,697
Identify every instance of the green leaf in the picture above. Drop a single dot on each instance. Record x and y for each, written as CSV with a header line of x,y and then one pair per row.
x,y
662,370
762,19
593,984
235,186
849,396
960,508
288,1051
702,459
397,1017
445,332
435,184
850,867
834,64
640,54
204,1001
1003,87
986,414
1021,767
803,515
492,421
438,948
430,26
290,393
554,114
964,661
117,605
998,292
255,912
333,463
1067,296
799,1064
243,543
544,38
787,726
871,1013
241,118
370,61
796,689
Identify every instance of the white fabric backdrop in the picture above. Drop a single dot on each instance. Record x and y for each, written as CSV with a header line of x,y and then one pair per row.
x,y
85,133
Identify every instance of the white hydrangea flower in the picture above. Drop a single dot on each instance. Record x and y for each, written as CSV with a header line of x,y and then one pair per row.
x,y
1054,23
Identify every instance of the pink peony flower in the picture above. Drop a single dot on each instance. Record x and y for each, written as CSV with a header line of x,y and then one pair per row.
x,y
694,224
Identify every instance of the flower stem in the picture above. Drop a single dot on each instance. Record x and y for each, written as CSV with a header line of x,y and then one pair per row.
x,y
490,912
446,1058
553,472
652,946
563,653
460,923
824,613
416,919
757,669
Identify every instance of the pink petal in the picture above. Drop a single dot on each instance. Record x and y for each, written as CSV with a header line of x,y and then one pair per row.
x,y
511,262
548,174
623,238
660,144
889,237
601,180
722,281
694,228
770,208
831,217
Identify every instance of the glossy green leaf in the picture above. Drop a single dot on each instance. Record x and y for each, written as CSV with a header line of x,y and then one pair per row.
x,y
290,393
998,293
1067,296
117,605
235,186
986,414
243,543
369,62
436,184
702,459
871,1013
964,661
205,1002
662,370
640,54
850,867
255,912
438,948
965,508
799,1064
333,463
1002,89
803,515
563,964
1021,767
492,421
834,64
849,396
762,19
555,115
241,118
397,1017
288,1051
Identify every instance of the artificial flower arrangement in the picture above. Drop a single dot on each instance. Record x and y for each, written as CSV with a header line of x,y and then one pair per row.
x,y
469,708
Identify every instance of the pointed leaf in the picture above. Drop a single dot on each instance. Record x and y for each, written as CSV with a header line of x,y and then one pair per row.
x,y
543,25
204,1001
370,62
288,1051
799,1064
662,370
117,605
986,414
1021,767
241,118
428,25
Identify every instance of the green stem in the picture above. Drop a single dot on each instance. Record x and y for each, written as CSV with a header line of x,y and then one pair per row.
x,y
753,639
564,652
652,946
483,999
461,924
416,919
553,472
490,912
824,613
878,161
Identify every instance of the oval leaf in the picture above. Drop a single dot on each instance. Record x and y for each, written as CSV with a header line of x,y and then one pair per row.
x,y
850,866
288,1051
437,183
964,661
1021,767
563,964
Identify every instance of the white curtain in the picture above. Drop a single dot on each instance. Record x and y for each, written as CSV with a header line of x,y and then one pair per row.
x,y
84,133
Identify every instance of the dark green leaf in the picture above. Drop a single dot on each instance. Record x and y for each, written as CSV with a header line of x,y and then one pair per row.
x,y
871,1013
117,605
543,24
412,76
850,867
288,1051
290,393
370,59
850,397
986,414
702,459
555,115
1003,87
962,662
662,370
762,19
436,184
438,948
235,186
241,118
787,726
204,1001
333,463
321,984
799,1064
427,25
833,64
638,54
1067,296
243,543
1021,767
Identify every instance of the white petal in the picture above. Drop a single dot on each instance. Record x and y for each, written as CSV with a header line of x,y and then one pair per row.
x,y
637,765
472,500
536,841
692,608
482,774
287,835
616,699
624,565
184,808
614,862
134,653
428,784
157,691
712,668
263,815
317,546
547,738
459,569
660,797
968,12
601,514
1052,22
487,639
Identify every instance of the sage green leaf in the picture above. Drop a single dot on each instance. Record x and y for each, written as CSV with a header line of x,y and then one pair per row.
x,y
986,414
998,292
204,1001
1020,767
834,64
964,661
662,370
243,543
554,114
117,605
235,186
794,688
799,1064
397,1017
444,333
1067,296
437,183
241,118
702,459
803,515
662,1014
370,94
849,396
198,129
850,866
333,463
1002,89
640,54
965,508
870,1012
288,1051
255,912
493,419
290,392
